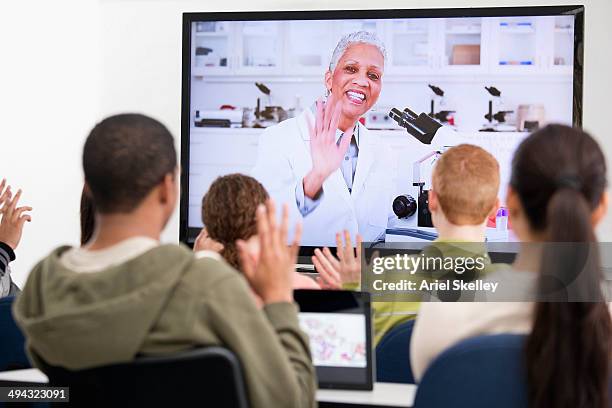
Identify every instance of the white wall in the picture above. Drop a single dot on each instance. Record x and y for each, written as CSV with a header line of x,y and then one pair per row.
x,y
67,63
49,84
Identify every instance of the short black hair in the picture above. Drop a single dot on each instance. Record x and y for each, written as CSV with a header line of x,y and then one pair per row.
x,y
124,158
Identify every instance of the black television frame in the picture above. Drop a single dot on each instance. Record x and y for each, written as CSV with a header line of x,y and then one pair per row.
x,y
187,235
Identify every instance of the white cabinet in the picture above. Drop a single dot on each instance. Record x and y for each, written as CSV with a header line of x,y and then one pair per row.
x,y
463,46
308,54
447,46
211,48
259,44
410,46
527,45
561,57
236,48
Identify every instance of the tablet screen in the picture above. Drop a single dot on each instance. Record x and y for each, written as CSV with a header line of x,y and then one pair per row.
x,y
336,339
338,325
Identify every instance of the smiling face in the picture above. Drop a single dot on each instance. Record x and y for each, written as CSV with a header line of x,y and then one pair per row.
x,y
356,80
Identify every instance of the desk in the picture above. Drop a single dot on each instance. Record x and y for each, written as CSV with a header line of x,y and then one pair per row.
x,y
384,394
29,377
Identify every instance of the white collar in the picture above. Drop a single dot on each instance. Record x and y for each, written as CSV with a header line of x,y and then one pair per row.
x,y
339,133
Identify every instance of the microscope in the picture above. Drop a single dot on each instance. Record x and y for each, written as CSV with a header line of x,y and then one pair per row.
x,y
444,116
496,122
422,127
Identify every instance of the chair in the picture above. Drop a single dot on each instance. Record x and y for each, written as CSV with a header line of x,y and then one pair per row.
x,y
393,355
208,376
12,343
481,372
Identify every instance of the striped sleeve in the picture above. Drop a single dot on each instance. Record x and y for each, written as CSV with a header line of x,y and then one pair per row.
x,y
6,255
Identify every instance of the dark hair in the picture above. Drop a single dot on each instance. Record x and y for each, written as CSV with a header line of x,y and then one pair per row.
x,y
228,212
559,175
124,158
88,216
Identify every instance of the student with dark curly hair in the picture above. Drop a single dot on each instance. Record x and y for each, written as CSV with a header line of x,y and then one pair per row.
x,y
228,213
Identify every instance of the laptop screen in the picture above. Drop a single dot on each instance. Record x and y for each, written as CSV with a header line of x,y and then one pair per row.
x,y
338,324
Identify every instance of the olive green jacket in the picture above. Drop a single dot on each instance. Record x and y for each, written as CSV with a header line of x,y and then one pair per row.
x,y
165,301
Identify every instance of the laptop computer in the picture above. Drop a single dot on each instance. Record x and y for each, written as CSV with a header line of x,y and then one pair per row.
x,y
339,326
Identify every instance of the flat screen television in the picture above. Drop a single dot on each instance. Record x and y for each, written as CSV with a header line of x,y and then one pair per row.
x,y
250,81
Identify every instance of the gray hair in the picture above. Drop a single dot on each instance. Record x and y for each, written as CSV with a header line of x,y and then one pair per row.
x,y
358,37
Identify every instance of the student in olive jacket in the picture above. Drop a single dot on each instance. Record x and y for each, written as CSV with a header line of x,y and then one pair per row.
x,y
124,294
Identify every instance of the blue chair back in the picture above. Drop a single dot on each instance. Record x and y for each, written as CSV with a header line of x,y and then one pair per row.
x,y
481,372
12,343
393,355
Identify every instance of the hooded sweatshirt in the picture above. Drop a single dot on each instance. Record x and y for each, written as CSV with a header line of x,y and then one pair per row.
x,y
164,301
7,286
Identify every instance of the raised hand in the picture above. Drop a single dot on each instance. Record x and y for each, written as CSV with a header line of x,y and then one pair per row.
x,y
205,243
325,153
5,192
346,269
13,218
270,274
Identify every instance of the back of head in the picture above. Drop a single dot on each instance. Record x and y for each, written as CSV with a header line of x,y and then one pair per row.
x,y
124,158
559,176
466,181
228,211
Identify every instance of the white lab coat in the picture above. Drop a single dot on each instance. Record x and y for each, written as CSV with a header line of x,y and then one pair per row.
x,y
284,159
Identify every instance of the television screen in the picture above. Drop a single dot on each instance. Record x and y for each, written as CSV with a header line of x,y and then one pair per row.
x,y
251,82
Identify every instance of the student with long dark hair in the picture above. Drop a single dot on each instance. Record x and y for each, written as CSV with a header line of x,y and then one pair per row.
x,y
558,187
556,195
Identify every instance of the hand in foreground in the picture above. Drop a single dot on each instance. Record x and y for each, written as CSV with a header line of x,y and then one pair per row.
x,y
335,272
13,217
326,154
270,276
205,243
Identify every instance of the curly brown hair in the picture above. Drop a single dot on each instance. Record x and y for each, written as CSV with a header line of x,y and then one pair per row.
x,y
228,212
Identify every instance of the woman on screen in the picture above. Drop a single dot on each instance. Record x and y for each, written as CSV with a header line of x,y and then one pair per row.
x,y
332,172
